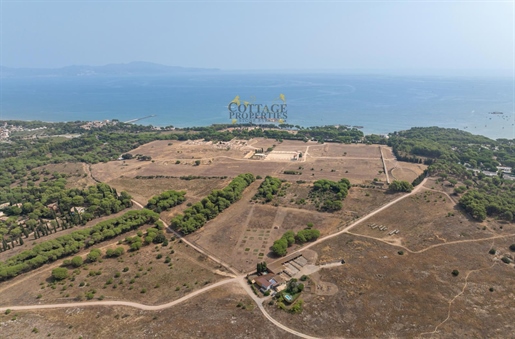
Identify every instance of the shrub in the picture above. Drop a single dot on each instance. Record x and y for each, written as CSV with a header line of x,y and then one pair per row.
x,y
94,255
492,251
297,307
119,251
506,260
60,273
455,273
77,261
512,247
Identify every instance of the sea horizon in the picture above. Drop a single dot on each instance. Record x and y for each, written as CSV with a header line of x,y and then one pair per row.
x,y
381,104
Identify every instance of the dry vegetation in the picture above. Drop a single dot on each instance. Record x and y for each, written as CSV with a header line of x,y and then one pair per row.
x,y
244,233
377,293
345,151
30,241
210,315
122,278
144,189
384,294
359,163
429,218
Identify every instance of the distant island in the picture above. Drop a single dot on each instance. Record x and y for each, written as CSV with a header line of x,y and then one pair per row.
x,y
129,69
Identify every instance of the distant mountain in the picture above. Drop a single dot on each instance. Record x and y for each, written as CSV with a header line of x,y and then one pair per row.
x,y
132,68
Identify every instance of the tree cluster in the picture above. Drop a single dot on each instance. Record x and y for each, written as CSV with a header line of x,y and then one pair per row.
x,y
268,188
400,186
489,201
328,195
166,200
49,207
208,208
72,243
280,246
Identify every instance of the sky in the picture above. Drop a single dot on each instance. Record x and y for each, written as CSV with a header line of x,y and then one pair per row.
x,y
404,36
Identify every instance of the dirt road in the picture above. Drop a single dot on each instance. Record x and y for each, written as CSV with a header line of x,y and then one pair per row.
x,y
120,303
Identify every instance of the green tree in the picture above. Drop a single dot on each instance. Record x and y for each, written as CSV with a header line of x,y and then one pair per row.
x,y
280,247
94,255
400,186
60,273
77,261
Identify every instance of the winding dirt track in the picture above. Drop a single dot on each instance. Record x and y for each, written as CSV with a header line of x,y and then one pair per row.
x,y
121,303
240,278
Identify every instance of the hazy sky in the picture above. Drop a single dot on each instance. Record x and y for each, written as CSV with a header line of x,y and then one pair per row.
x,y
401,35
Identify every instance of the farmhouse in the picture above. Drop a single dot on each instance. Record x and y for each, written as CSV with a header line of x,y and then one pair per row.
x,y
265,282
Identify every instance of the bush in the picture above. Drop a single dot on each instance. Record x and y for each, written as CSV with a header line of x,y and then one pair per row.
x,y
297,307
94,255
114,253
512,247
60,273
492,251
455,273
77,261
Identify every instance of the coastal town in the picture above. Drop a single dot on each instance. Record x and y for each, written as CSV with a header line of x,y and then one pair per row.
x,y
6,130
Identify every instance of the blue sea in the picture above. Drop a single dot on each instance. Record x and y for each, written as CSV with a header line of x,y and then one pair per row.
x,y
379,103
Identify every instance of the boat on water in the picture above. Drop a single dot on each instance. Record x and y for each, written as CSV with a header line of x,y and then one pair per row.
x,y
495,113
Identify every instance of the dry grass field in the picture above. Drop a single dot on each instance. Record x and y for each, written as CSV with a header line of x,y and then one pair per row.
x,y
404,170
343,150
144,189
210,315
243,234
378,292
122,278
428,218
359,163
188,150
356,170
384,294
